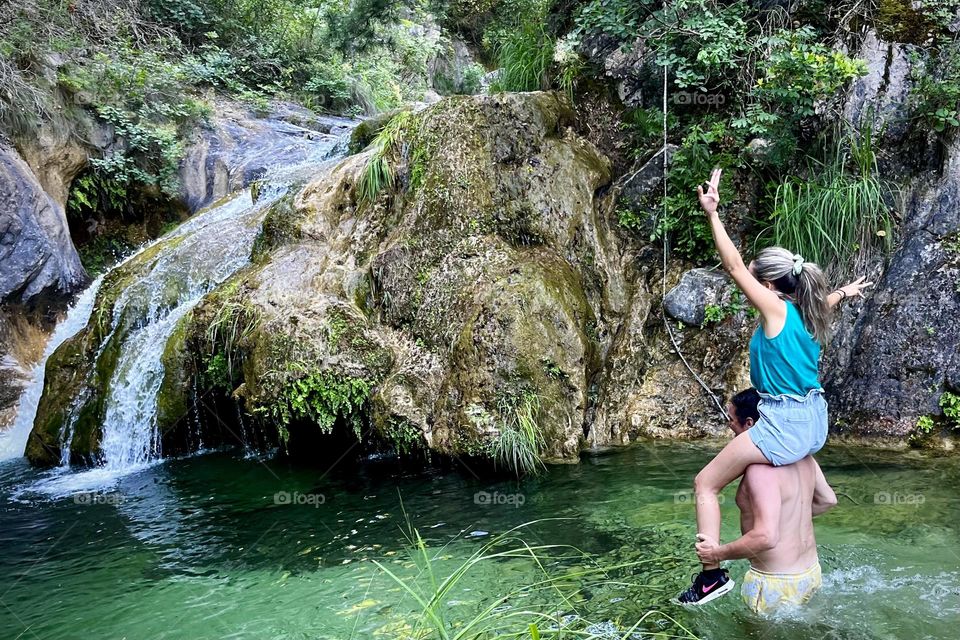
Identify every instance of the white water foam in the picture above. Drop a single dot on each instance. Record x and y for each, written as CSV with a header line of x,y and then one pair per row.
x,y
14,440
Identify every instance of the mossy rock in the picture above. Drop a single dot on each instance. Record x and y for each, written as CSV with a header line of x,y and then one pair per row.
x,y
365,132
174,397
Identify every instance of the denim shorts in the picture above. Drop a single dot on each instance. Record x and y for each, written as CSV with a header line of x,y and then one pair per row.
x,y
790,427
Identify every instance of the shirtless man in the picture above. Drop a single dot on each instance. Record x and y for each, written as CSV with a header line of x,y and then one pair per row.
x,y
777,505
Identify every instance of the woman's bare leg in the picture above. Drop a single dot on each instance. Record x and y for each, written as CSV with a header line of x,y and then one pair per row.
x,y
729,464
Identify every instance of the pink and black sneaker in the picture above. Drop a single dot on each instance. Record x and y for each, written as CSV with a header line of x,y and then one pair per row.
x,y
707,585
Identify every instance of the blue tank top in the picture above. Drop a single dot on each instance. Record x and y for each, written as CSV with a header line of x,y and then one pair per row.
x,y
787,363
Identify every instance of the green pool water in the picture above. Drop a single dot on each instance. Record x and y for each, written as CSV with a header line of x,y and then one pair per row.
x,y
200,547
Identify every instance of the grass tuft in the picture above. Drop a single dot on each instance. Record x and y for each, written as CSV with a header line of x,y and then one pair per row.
x,y
840,215
378,174
545,607
519,445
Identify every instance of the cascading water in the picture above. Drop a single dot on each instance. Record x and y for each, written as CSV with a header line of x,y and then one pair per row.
x,y
14,440
185,265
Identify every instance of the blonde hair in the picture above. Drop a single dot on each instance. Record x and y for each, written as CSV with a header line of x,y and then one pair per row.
x,y
803,282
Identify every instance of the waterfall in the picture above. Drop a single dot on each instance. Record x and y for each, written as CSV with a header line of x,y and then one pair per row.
x,y
196,258
14,440
181,268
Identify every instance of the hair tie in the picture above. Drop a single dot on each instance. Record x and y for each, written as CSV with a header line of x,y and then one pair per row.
x,y
797,264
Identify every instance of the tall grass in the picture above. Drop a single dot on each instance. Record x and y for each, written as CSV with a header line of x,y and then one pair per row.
x,y
523,56
839,217
549,602
232,324
518,447
378,174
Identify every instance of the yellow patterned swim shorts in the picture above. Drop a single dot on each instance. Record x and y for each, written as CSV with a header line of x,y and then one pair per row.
x,y
766,592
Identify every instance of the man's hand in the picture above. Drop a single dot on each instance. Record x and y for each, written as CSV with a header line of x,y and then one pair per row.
x,y
856,288
708,550
710,199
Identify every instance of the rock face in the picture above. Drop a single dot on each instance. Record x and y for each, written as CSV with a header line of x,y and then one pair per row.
x,y
879,99
475,288
906,347
36,253
238,147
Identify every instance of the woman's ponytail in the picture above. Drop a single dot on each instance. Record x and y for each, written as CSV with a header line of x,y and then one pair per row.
x,y
803,281
811,294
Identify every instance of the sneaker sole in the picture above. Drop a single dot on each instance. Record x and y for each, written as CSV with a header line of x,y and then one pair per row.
x,y
722,590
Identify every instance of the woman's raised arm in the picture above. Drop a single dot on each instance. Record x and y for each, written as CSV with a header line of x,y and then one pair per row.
x,y
766,301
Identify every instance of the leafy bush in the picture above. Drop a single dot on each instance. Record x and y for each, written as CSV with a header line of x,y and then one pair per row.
x,y
950,403
682,220
935,95
796,74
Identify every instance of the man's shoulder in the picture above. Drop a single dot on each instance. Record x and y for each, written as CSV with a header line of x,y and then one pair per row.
x,y
762,472
769,471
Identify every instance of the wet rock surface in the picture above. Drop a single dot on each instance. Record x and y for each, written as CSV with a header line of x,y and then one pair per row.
x,y
238,146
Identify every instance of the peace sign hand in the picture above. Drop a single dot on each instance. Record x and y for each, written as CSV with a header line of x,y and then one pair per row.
x,y
710,199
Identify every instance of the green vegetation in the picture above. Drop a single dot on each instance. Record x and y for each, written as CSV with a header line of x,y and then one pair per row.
x,y
839,212
717,313
233,323
149,69
519,444
378,175
735,74
321,398
547,599
524,53
935,95
682,219
950,403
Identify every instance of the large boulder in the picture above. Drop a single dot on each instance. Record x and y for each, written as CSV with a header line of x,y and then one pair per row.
x,y
36,253
905,349
483,284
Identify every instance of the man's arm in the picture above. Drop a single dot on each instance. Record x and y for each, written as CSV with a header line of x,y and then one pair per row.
x,y
764,492
824,498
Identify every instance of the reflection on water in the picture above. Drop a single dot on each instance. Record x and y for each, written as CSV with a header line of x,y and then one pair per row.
x,y
204,548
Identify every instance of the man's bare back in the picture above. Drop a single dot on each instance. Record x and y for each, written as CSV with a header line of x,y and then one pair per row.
x,y
777,505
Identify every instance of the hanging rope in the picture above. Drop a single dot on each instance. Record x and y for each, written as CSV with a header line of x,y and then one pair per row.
x,y
666,252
